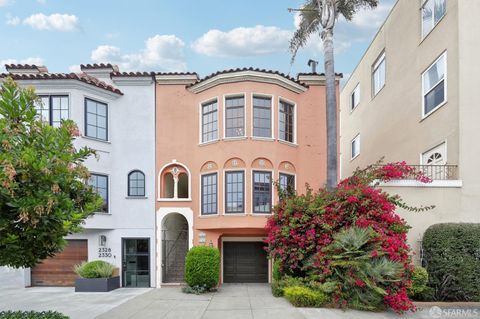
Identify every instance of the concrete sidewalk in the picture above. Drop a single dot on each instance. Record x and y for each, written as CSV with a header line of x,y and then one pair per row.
x,y
248,301
65,300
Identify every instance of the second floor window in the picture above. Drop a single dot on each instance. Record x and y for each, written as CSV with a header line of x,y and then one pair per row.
x,y
234,192
432,12
378,74
286,122
262,116
262,192
96,118
53,109
355,97
209,194
434,85
209,121
235,117
100,185
136,183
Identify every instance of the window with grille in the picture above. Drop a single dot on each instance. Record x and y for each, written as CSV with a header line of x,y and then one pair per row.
x,y
286,122
262,116
234,192
235,117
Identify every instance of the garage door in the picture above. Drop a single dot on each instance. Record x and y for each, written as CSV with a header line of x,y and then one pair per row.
x,y
244,262
58,270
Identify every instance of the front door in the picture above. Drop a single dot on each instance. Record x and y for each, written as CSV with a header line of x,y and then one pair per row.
x,y
135,262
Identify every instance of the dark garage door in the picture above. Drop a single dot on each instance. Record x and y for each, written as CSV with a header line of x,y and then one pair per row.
x,y
58,270
244,262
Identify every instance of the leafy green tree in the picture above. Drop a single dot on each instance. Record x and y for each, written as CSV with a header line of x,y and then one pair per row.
x,y
43,190
319,16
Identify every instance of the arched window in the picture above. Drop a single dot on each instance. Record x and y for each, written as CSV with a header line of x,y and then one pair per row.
x,y
174,182
136,183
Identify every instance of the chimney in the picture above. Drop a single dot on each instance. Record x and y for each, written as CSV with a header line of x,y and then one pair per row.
x,y
25,68
313,64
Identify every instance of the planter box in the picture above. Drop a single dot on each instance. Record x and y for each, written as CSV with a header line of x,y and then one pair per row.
x,y
97,284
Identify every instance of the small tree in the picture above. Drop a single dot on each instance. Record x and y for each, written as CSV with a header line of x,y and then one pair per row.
x,y
43,194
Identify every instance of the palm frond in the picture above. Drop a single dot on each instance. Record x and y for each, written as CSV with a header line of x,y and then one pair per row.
x,y
309,24
348,8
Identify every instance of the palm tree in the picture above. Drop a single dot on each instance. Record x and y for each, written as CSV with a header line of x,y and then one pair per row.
x,y
321,15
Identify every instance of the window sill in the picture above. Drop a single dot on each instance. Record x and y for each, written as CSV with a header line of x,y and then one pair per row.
x,y
102,214
265,139
288,143
136,197
209,142
174,199
208,216
234,214
229,139
353,158
439,106
261,214
96,139
379,91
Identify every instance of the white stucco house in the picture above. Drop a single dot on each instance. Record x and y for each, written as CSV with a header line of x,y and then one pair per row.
x,y
115,114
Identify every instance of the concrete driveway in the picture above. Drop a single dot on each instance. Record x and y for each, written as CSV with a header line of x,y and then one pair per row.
x,y
65,300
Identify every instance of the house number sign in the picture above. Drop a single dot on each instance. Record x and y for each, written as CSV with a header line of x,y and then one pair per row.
x,y
104,252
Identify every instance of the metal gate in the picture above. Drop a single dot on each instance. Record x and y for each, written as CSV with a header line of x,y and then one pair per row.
x,y
174,250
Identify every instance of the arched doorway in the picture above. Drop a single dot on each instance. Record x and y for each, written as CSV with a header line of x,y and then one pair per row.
x,y
174,247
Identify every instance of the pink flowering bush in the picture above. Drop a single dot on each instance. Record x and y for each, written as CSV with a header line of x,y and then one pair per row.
x,y
302,232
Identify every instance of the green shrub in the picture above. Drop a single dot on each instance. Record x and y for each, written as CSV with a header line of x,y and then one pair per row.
x,y
276,274
31,315
305,297
452,260
419,282
278,286
94,269
202,267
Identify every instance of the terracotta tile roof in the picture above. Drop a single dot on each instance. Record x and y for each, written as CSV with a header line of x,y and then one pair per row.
x,y
85,78
98,66
322,74
250,69
20,66
132,74
176,73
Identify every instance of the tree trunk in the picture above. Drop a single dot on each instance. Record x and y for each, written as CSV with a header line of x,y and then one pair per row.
x,y
327,37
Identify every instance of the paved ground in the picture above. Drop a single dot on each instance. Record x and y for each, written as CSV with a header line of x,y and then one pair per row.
x,y
243,301
232,301
65,300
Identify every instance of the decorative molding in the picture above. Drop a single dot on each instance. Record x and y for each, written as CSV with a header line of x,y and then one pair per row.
x,y
176,79
243,76
415,183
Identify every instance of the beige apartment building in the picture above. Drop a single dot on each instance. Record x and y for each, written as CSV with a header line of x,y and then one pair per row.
x,y
414,96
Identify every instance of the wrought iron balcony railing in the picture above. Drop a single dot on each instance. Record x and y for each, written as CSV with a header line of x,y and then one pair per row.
x,y
439,172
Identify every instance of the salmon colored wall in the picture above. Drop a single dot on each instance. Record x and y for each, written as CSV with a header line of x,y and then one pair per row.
x,y
178,136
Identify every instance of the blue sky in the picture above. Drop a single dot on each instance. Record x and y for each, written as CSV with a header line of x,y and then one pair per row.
x,y
165,35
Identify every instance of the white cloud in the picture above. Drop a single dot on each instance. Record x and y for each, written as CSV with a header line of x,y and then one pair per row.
x,y
56,21
243,41
161,51
371,19
30,60
13,20
74,68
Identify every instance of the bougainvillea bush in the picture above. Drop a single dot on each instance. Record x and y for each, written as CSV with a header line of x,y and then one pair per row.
x,y
303,230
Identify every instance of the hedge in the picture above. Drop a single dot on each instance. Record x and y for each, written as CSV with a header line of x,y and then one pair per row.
x,y
202,267
31,315
305,297
452,260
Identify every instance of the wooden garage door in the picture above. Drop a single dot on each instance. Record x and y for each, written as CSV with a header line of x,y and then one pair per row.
x,y
58,270
244,262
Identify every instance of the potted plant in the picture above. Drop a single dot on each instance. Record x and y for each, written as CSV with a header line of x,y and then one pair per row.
x,y
96,276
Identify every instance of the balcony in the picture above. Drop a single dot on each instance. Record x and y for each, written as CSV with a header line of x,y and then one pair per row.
x,y
438,172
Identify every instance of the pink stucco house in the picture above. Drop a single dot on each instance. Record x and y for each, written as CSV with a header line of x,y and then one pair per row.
x,y
220,143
